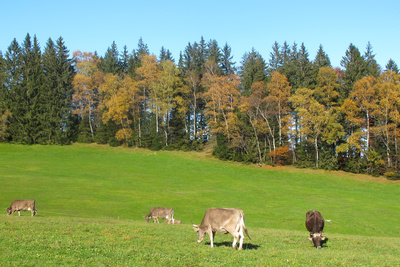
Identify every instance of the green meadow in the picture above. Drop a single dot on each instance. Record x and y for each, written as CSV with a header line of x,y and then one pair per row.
x,y
91,201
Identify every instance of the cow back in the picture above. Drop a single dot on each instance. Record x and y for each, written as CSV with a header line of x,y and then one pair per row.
x,y
220,217
314,221
23,204
160,212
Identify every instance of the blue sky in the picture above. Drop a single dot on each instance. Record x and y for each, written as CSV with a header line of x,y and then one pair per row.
x,y
93,25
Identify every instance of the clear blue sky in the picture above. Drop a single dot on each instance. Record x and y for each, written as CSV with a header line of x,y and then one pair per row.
x,y
90,26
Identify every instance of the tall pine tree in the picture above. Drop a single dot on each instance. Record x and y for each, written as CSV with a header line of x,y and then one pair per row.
x,y
354,69
372,67
391,65
31,107
227,65
110,62
253,69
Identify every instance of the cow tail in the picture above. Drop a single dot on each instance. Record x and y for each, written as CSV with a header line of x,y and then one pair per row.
x,y
242,223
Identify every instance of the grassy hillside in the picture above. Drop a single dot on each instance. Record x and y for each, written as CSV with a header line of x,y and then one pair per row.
x,y
82,191
55,241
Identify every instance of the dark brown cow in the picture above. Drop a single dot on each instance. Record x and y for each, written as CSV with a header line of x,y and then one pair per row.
x,y
222,221
160,213
315,225
22,204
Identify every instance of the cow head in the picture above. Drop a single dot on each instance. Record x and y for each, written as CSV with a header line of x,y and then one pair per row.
x,y
200,233
146,218
8,210
316,239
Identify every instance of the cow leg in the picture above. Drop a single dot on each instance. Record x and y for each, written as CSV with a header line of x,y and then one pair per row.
x,y
19,213
241,238
235,239
212,234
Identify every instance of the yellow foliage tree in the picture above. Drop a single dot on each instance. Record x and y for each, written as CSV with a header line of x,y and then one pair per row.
x,y
86,83
119,95
222,98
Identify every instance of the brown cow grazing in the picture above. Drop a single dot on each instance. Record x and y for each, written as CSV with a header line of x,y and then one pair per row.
x,y
222,221
22,204
162,213
315,225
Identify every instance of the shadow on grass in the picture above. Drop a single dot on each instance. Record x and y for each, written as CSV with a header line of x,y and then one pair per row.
x,y
229,244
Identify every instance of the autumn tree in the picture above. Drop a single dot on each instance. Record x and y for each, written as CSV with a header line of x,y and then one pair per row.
x,y
168,85
317,111
148,75
312,118
359,109
387,113
117,98
279,92
222,97
251,106
86,84
192,66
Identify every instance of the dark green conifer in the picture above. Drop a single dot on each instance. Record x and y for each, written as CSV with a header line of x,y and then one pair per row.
x,y
354,69
253,69
391,65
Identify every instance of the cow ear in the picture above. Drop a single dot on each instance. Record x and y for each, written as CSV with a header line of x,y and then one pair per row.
x,y
323,237
309,238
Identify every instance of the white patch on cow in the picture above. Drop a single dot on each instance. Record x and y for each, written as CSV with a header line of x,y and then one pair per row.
x,y
29,208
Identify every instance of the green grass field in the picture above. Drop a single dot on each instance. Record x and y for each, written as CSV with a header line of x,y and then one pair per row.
x,y
91,201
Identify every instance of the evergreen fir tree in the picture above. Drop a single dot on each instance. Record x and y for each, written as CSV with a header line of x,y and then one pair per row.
x,y
253,69
12,94
372,67
124,61
391,65
275,58
65,88
213,51
58,74
31,130
321,59
304,69
165,54
134,60
142,49
110,62
354,69
227,65
290,65
51,114
285,52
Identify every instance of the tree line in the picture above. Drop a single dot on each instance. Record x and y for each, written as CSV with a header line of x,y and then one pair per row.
x,y
288,109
